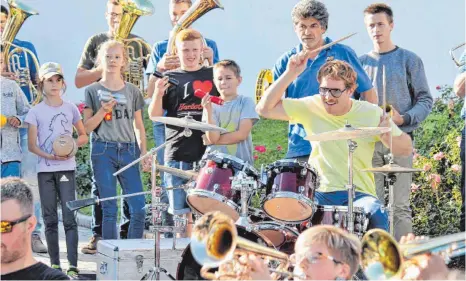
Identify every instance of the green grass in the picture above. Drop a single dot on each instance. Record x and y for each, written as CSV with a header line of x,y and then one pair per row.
x,y
271,134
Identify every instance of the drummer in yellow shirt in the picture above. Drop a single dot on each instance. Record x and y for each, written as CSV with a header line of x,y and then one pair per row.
x,y
330,110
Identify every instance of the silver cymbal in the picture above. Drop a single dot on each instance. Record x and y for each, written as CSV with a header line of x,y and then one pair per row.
x,y
190,174
391,168
349,133
188,122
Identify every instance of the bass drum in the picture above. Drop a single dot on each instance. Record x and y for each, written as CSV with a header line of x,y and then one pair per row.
x,y
189,269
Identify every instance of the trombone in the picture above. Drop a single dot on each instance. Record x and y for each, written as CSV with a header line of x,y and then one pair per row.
x,y
383,258
215,241
458,63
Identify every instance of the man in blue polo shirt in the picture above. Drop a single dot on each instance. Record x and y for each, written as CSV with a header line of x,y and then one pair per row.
x,y
161,61
28,167
310,19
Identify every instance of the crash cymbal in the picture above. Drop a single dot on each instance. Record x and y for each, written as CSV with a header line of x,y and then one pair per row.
x,y
349,133
391,168
188,122
190,175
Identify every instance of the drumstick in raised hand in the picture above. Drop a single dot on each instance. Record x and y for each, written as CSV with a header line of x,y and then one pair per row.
x,y
307,54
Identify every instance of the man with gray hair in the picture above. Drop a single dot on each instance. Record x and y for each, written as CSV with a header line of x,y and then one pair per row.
x,y
17,224
310,20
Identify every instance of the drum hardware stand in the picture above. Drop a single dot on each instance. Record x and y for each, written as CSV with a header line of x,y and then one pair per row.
x,y
390,179
352,145
246,185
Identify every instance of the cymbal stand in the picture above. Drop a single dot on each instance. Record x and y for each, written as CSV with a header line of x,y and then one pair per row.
x,y
352,145
246,185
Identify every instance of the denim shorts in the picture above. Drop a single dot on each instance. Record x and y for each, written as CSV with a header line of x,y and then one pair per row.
x,y
177,197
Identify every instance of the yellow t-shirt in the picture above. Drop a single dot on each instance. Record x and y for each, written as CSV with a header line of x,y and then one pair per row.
x,y
330,158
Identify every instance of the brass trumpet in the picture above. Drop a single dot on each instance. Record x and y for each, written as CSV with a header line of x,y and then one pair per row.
x,y
383,258
215,241
19,12
458,63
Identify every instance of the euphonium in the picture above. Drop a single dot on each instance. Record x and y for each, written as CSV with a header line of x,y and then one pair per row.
x,y
383,258
264,80
19,12
453,55
215,241
132,10
197,10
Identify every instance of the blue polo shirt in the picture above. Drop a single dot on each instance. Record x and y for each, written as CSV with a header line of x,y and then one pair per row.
x,y
22,59
160,48
306,85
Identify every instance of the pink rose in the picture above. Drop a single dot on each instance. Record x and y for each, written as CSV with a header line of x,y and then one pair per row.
x,y
439,156
415,156
456,168
438,88
414,187
255,157
81,107
427,167
279,147
260,148
435,181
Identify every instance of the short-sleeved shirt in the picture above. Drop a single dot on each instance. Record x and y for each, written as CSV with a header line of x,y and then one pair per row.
x,y
37,271
330,157
228,116
160,48
52,122
179,101
307,85
91,49
30,61
117,126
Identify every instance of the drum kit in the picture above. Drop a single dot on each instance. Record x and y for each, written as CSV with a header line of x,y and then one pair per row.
x,y
285,190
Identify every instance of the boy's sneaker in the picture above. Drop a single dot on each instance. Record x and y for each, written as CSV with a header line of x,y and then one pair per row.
x,y
56,266
73,273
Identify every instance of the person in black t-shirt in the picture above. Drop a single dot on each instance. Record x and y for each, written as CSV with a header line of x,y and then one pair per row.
x,y
179,101
17,223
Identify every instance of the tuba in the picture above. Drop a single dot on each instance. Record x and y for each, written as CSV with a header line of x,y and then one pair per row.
x,y
196,11
264,80
383,258
215,242
19,12
458,63
132,10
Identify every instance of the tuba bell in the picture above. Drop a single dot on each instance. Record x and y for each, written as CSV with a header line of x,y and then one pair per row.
x,y
19,12
132,10
197,10
383,258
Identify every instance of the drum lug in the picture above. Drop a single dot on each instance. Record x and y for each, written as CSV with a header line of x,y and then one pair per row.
x,y
336,216
274,188
301,189
210,170
303,172
216,187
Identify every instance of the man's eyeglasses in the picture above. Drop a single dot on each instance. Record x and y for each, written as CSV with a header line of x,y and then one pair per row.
x,y
336,93
314,258
7,226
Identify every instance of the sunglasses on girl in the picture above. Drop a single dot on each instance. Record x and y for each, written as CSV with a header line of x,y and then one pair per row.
x,y
7,226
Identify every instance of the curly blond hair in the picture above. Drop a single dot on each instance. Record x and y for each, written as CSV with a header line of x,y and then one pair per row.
x,y
338,70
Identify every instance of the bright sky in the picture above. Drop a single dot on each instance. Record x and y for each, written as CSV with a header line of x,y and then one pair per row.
x,y
253,32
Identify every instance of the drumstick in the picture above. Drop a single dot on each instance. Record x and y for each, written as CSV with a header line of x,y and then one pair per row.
x,y
308,53
384,96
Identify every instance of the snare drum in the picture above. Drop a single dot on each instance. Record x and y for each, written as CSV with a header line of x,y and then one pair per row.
x,y
338,216
281,236
213,191
290,191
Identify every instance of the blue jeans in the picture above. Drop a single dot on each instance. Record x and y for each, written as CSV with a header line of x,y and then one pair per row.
x,y
378,218
107,158
177,197
11,169
159,139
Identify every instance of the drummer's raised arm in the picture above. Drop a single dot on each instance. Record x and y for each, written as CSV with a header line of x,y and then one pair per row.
x,y
155,107
270,106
